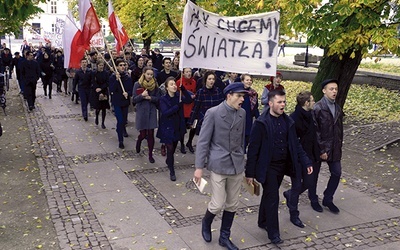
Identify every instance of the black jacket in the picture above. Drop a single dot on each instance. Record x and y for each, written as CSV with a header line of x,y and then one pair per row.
x,y
83,79
259,152
30,71
306,132
329,130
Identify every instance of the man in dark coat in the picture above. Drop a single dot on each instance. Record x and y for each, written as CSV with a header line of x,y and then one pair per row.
x,y
83,79
6,60
30,71
166,72
16,62
274,151
328,119
306,132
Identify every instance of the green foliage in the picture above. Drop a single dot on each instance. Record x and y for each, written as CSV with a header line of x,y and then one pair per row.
x,y
364,104
380,68
13,14
369,104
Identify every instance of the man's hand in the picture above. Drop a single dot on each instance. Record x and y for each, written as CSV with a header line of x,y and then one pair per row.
x,y
117,76
197,175
249,180
125,94
98,89
309,170
324,156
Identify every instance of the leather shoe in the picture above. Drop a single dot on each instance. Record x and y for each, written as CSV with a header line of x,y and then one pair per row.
x,y
334,209
172,177
183,150
151,159
297,222
276,240
190,147
121,145
316,206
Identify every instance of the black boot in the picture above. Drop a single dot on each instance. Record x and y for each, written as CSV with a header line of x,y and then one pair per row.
x,y
225,232
206,226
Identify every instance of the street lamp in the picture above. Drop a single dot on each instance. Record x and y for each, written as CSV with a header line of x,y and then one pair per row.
x,y
306,58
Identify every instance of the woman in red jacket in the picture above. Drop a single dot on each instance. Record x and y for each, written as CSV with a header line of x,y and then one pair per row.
x,y
190,85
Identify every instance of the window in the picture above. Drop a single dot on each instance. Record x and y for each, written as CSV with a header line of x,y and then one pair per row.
x,y
36,28
53,7
104,29
53,28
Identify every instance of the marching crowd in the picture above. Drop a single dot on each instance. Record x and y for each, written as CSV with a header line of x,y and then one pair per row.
x,y
235,140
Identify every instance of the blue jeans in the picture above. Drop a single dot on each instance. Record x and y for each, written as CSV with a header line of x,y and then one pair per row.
x,y
84,95
121,113
335,167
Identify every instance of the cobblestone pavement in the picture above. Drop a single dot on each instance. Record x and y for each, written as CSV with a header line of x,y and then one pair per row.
x,y
100,197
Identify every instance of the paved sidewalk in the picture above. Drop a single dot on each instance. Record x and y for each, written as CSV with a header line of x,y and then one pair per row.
x,y
101,197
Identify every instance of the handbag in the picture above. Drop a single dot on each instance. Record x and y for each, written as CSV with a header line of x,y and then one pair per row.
x,y
103,97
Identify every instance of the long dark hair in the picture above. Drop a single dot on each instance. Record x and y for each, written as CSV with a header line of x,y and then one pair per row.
x,y
208,73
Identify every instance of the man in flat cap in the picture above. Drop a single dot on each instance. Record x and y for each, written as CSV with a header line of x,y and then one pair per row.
x,y
221,145
328,119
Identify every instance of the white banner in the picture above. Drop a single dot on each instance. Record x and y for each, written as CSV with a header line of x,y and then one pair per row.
x,y
243,44
97,40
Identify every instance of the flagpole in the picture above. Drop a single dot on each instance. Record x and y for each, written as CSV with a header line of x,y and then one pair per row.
x,y
102,57
112,60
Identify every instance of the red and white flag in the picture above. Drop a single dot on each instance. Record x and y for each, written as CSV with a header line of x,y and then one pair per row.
x,y
116,27
89,22
73,51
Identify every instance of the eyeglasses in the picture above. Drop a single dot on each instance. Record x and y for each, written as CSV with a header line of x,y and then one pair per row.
x,y
122,65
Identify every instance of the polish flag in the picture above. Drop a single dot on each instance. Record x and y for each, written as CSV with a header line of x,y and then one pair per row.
x,y
73,51
116,27
89,22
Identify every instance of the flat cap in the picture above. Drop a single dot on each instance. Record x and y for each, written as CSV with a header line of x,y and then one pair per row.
x,y
236,87
325,82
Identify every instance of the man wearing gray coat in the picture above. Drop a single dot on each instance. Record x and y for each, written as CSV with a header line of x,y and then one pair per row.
x,y
221,145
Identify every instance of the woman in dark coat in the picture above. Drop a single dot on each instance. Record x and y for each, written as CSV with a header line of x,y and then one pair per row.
x,y
46,67
146,95
206,97
172,121
100,89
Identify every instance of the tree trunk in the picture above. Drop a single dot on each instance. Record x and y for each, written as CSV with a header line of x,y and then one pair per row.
x,y
331,67
173,27
146,39
147,43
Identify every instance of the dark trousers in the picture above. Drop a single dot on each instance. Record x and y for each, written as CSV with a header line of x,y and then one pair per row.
x,y
268,212
30,93
307,181
84,95
121,113
170,157
47,82
312,186
335,167
22,83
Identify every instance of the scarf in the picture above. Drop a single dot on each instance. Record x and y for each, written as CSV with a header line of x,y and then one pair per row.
x,y
253,98
149,85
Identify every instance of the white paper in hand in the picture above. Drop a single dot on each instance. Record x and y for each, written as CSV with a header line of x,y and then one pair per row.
x,y
202,185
